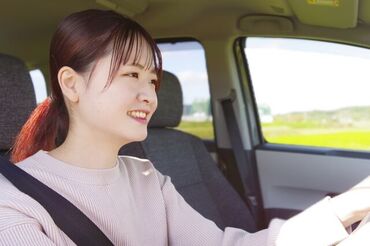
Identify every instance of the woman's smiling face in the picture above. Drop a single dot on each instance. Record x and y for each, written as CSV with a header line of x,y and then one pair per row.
x,y
118,112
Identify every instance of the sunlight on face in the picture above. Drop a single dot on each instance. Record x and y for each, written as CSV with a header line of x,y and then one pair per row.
x,y
119,113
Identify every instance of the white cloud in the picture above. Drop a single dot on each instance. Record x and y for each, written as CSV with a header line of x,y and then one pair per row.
x,y
190,68
289,80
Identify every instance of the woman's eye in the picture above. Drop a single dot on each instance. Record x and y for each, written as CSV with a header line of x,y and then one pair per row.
x,y
154,81
133,75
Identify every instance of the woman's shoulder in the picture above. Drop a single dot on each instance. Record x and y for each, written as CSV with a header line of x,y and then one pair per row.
x,y
7,189
11,195
16,207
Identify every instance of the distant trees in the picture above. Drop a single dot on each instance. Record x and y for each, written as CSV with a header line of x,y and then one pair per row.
x,y
201,106
199,110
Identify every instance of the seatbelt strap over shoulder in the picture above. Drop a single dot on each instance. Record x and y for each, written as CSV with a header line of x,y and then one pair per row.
x,y
245,171
75,224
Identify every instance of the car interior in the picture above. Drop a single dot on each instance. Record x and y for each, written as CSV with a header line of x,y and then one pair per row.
x,y
258,59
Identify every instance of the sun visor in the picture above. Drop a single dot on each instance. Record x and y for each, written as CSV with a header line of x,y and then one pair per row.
x,y
364,11
326,13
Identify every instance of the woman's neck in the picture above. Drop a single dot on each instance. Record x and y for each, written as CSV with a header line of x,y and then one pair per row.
x,y
87,152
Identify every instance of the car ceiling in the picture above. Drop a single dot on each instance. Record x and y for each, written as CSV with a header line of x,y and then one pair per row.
x,y
26,26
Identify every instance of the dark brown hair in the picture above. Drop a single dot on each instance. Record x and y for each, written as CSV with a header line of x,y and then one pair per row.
x,y
79,41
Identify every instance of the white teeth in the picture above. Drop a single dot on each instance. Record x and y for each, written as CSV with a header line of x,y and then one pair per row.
x,y
137,114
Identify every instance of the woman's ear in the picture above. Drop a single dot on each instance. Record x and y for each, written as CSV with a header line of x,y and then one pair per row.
x,y
68,81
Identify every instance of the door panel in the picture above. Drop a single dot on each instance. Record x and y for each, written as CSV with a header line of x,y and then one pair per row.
x,y
294,181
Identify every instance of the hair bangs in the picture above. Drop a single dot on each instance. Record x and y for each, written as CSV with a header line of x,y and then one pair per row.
x,y
129,42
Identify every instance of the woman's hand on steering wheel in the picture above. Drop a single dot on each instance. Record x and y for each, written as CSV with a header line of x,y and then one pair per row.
x,y
354,204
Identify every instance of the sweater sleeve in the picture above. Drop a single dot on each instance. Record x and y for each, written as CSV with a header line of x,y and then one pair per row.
x,y
18,228
317,225
24,234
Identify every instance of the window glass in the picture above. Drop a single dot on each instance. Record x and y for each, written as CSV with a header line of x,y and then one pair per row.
x,y
311,93
186,60
39,85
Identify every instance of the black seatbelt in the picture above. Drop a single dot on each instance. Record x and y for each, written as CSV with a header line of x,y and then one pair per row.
x,y
75,224
242,164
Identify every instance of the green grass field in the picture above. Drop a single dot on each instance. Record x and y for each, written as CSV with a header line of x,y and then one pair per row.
x,y
201,129
298,133
312,134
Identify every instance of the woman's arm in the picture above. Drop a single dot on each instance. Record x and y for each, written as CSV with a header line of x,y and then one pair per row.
x,y
318,225
18,228
24,234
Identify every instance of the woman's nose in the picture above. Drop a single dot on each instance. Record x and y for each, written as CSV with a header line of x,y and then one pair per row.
x,y
147,96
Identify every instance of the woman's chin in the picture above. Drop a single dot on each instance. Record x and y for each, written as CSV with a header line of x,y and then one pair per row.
x,y
140,137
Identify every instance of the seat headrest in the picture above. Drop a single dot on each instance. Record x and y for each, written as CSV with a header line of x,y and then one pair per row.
x,y
17,98
170,106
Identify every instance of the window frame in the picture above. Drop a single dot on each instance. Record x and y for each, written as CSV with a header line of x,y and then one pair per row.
x,y
247,90
210,143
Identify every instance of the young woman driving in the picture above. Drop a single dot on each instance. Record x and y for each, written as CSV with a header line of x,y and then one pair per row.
x,y
105,71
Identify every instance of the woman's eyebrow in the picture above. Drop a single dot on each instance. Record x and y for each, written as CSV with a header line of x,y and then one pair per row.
x,y
138,65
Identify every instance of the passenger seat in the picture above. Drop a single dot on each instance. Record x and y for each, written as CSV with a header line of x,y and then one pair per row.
x,y
17,100
186,160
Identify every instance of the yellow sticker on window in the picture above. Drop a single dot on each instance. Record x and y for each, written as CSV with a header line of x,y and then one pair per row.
x,y
330,3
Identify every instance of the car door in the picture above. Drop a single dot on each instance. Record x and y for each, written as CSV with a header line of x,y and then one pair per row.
x,y
311,113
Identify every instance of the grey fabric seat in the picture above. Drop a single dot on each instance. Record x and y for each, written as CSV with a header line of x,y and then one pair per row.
x,y
17,99
186,160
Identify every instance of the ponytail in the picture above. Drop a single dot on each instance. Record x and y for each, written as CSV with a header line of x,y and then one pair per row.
x,y
45,129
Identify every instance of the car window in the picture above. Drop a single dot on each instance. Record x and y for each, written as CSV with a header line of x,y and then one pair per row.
x,y
186,59
311,93
39,85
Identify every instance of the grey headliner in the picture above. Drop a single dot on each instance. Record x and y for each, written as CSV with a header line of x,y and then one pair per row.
x,y
26,26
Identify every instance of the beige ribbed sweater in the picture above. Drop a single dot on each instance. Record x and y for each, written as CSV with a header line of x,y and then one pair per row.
x,y
133,204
